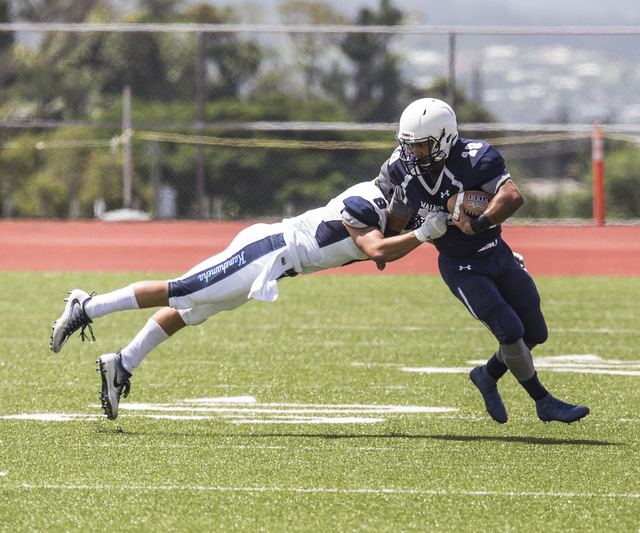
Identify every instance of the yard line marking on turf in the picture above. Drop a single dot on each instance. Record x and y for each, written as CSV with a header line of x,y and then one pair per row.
x,y
278,413
437,370
428,492
53,417
223,399
266,410
246,410
241,418
577,364
595,330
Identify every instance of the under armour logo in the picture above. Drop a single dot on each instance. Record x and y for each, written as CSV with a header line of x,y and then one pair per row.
x,y
284,261
468,267
445,193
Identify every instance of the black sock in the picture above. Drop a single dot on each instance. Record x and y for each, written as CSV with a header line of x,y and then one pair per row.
x,y
495,368
534,388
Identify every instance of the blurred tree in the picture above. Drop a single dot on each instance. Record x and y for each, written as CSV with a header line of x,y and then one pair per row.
x,y
466,110
309,47
135,59
6,44
621,179
159,10
63,78
377,79
233,60
57,10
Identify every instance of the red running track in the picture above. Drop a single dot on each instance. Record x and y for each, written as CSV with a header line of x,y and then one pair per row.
x,y
174,247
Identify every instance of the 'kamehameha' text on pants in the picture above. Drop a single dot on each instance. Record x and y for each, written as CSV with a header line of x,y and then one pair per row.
x,y
247,269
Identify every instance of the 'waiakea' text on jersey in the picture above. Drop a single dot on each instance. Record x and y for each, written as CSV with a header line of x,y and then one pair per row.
x,y
471,165
319,238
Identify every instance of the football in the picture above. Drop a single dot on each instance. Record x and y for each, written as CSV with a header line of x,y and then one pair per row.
x,y
473,202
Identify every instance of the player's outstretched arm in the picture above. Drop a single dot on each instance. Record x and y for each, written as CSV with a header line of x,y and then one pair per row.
x,y
380,249
385,250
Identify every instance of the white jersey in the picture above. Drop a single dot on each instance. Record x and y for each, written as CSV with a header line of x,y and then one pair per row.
x,y
318,239
262,254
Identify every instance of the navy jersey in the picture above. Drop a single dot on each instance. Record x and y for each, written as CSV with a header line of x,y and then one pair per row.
x,y
471,165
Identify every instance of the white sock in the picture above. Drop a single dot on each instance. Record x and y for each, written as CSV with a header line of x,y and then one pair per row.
x,y
149,337
104,304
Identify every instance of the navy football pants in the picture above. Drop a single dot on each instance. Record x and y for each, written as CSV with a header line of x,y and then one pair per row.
x,y
498,292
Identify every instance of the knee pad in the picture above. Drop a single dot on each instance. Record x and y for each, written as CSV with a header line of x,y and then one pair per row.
x,y
518,359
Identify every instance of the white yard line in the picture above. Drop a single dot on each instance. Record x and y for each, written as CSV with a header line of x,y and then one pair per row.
x,y
443,492
577,364
245,410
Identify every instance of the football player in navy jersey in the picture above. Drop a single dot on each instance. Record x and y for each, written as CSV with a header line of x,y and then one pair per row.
x,y
431,164
349,228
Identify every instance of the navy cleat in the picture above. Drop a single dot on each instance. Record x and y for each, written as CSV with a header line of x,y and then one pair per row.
x,y
550,408
489,389
72,319
115,382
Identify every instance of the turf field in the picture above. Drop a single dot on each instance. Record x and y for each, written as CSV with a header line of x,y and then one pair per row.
x,y
343,406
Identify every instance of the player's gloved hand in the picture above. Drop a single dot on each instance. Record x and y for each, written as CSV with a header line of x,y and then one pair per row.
x,y
434,226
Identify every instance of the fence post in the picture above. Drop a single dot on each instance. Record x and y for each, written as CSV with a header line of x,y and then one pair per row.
x,y
597,155
451,86
154,148
126,152
200,74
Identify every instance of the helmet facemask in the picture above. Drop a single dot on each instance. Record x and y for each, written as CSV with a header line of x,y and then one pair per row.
x,y
421,166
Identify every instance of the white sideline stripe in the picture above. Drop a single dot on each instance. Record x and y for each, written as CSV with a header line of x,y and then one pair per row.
x,y
223,399
596,330
321,420
327,490
245,410
321,409
332,406
53,417
577,364
460,370
289,420
437,370
80,417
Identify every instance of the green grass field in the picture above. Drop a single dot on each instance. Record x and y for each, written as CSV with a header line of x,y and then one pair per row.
x,y
343,406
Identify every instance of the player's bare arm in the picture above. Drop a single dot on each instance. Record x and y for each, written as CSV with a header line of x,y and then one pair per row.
x,y
372,242
502,206
395,224
380,249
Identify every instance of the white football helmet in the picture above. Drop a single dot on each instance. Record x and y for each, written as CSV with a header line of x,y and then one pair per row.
x,y
426,120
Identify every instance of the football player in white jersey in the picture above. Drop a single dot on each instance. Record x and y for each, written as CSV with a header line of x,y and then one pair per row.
x,y
349,228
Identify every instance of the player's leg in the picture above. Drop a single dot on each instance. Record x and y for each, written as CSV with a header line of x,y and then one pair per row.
x,y
82,308
484,303
117,368
474,289
221,283
520,292
516,356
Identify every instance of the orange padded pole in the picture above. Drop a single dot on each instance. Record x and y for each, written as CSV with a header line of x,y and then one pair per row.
x,y
597,155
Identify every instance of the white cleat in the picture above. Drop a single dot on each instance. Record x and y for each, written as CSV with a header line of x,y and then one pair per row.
x,y
73,318
115,382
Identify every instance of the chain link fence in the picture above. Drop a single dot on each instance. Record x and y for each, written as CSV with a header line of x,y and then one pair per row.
x,y
259,122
